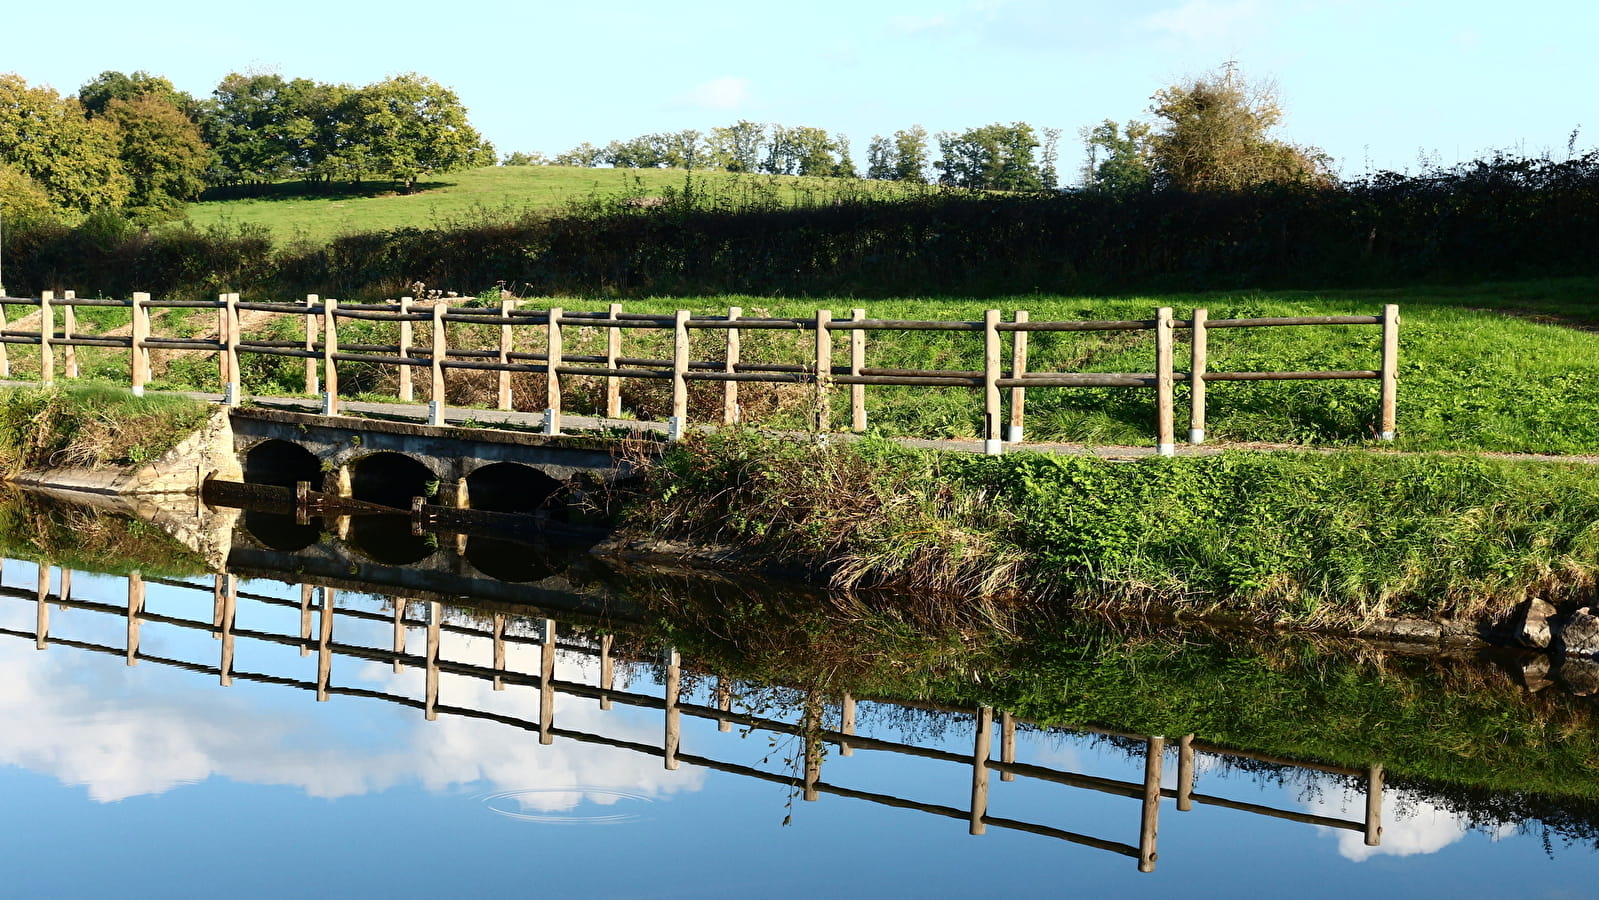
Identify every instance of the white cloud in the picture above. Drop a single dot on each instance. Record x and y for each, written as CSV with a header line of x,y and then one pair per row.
x,y
1204,20
1411,825
721,93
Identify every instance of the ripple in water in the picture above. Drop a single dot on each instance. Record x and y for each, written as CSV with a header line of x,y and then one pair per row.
x,y
566,806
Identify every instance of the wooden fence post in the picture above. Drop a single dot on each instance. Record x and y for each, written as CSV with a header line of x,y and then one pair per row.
x,y
139,354
730,365
312,382
5,354
230,610
306,591
824,371
324,646
41,622
981,749
330,349
1018,368
846,723
678,424
1196,377
407,378
69,324
1007,743
47,327
811,735
440,350
235,386
507,339
553,355
1149,821
135,610
430,697
857,362
1185,773
547,684
674,687
400,608
1165,424
607,670
613,352
1390,369
992,412
1374,782
499,651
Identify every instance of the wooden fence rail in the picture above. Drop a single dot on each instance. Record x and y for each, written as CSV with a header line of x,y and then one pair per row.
x,y
320,603
822,370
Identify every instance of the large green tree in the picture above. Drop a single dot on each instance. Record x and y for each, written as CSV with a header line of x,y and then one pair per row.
x,y
994,157
163,153
737,147
410,126
48,138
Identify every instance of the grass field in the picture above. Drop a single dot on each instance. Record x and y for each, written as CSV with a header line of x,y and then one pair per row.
x,y
292,212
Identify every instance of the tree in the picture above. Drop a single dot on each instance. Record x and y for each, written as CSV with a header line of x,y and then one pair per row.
x,y
409,126
1214,134
804,150
21,198
585,154
1119,157
243,123
910,155
48,138
994,157
164,155
109,85
736,148
519,158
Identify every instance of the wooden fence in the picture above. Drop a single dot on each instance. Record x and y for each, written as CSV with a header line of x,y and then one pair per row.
x,y
319,604
823,371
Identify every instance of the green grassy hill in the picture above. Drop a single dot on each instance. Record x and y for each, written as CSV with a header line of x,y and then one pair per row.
x,y
295,212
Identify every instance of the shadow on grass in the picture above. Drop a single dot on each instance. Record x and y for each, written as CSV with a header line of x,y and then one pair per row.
x,y
314,190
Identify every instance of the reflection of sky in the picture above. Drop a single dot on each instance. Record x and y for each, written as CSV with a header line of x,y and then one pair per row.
x,y
167,775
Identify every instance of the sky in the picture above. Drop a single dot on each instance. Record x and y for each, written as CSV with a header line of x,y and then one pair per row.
x,y
1378,84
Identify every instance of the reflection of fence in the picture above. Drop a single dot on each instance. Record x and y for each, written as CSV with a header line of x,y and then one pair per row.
x,y
319,604
320,342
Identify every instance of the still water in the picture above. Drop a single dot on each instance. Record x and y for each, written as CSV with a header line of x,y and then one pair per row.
x,y
262,733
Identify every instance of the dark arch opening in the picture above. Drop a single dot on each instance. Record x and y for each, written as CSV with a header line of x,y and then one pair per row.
x,y
388,540
281,463
278,531
508,560
391,479
510,488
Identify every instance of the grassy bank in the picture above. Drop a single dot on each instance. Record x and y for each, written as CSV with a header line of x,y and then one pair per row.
x,y
1312,539
90,425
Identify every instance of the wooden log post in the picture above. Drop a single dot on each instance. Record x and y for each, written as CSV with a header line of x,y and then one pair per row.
x,y
613,353
407,335
41,622
857,362
1374,788
234,388
1007,743
139,354
324,646
507,343
1149,820
135,610
1185,773
677,425
981,749
811,734
846,723
230,609
47,327
330,349
305,619
401,607
547,684
5,353
499,651
1018,368
1390,371
993,444
312,382
554,352
607,670
724,703
730,414
824,372
69,325
219,587
430,698
1196,378
439,350
1165,421
674,725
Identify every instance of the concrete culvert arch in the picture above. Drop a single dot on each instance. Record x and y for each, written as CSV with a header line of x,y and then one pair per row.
x,y
510,488
391,479
281,463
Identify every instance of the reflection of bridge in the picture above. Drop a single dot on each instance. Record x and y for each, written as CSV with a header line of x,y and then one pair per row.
x,y
317,604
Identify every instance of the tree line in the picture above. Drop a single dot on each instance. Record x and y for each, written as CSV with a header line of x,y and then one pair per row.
x,y
136,144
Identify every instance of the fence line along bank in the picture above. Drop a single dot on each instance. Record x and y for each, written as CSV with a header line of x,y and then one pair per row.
x,y
322,352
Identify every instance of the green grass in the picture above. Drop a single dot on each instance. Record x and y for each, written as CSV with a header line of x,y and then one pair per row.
x,y
497,193
90,425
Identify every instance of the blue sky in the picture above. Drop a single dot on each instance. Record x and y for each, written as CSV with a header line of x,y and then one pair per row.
x,y
1374,83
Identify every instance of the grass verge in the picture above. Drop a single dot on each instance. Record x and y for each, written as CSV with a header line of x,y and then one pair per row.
x,y
90,425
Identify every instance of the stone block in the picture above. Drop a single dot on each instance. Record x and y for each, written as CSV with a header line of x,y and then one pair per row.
x,y
1579,634
1533,624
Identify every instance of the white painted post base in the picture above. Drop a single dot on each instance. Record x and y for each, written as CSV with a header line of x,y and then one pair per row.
x,y
549,423
327,404
138,391
1166,449
674,428
993,447
230,394
1196,435
1387,435
1013,434
435,412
